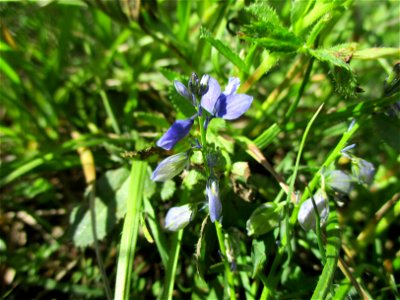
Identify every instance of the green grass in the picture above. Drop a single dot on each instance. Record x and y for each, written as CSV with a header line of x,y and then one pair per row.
x,y
87,90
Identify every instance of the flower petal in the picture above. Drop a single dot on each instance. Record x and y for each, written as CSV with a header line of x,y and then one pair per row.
x,y
170,167
232,86
211,96
183,91
233,106
176,132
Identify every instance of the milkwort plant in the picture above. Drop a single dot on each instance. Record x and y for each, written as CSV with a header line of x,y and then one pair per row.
x,y
210,102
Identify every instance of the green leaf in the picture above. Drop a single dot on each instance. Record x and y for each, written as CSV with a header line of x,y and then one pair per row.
x,y
223,49
387,129
110,205
264,218
9,71
267,31
130,230
168,190
375,53
258,256
338,58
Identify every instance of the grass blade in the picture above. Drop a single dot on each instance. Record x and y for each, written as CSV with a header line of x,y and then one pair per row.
x,y
130,230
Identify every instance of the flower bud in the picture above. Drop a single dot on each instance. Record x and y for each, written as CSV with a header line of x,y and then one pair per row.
x,y
178,217
363,170
307,217
214,203
340,181
204,84
170,167
193,83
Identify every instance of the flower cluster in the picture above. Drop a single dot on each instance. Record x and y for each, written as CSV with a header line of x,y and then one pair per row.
x,y
210,102
341,182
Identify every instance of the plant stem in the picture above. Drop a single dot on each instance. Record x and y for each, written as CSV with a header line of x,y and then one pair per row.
x,y
218,226
109,112
106,283
228,273
203,142
318,231
172,265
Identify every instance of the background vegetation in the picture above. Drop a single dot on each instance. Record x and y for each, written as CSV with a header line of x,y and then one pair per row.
x,y
87,89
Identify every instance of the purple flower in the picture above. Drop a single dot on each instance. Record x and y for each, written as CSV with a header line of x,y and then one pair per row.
x,y
226,105
178,217
175,133
214,203
170,167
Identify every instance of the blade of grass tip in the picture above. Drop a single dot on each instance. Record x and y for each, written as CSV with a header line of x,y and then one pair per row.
x,y
89,171
286,239
130,230
172,265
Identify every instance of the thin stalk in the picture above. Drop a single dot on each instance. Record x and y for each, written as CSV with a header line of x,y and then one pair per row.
x,y
294,105
228,273
203,142
318,231
109,112
172,265
292,181
103,273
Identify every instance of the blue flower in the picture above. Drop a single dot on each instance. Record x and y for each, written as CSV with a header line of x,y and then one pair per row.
x,y
340,181
170,167
214,203
226,105
178,217
175,133
307,217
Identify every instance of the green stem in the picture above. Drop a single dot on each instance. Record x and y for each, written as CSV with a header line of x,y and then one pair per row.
x,y
109,112
228,273
172,265
203,142
92,197
294,105
288,226
218,227
318,231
